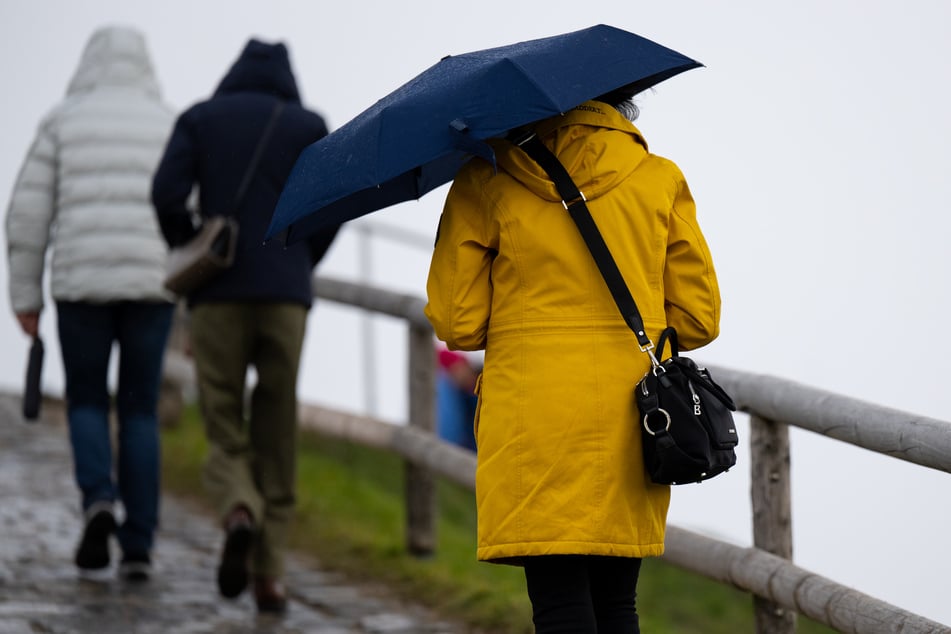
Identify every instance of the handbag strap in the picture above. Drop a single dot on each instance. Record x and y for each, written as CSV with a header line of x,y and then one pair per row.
x,y
256,157
574,202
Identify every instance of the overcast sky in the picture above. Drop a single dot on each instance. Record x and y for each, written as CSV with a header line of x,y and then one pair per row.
x,y
816,143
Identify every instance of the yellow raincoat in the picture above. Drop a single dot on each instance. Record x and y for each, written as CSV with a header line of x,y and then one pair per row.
x,y
559,451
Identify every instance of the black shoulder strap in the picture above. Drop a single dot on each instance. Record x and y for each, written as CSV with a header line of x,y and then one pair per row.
x,y
574,202
256,157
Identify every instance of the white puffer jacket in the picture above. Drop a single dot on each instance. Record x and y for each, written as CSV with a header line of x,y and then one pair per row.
x,y
84,186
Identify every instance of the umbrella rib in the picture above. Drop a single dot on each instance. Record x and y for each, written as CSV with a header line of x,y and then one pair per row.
x,y
524,72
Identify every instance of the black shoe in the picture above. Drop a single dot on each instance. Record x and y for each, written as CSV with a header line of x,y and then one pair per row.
x,y
93,550
135,567
233,569
270,595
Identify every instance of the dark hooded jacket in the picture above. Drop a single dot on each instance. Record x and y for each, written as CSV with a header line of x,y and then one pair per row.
x,y
211,146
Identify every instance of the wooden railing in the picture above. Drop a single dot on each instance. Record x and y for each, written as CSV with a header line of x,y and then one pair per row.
x,y
780,589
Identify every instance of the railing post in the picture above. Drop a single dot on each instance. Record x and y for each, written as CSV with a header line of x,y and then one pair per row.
x,y
772,512
420,484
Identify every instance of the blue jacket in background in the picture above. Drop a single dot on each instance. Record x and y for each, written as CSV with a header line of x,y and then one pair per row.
x,y
211,146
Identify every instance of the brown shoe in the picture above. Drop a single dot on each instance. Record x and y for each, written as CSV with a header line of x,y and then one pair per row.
x,y
233,569
270,595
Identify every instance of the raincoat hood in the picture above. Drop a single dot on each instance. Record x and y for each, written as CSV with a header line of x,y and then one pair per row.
x,y
598,160
115,57
264,68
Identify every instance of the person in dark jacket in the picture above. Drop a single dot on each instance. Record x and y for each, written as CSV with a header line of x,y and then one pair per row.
x,y
251,315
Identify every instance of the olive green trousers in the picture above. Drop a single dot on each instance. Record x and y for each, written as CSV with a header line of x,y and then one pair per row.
x,y
252,443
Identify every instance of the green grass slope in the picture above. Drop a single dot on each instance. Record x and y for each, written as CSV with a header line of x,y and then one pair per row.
x,y
350,517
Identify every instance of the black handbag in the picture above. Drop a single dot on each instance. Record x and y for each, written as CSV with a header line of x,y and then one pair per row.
x,y
686,422
687,428
212,250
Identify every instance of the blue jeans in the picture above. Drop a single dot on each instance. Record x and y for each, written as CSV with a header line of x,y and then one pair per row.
x,y
87,333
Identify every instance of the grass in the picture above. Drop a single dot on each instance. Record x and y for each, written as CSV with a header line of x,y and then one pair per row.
x,y
350,517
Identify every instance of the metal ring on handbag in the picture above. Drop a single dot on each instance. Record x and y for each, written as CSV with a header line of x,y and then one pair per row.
x,y
666,427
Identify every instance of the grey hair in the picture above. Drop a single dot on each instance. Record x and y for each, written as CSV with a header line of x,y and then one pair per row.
x,y
628,109
622,100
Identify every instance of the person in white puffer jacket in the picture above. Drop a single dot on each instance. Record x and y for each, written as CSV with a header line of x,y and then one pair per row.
x,y
83,193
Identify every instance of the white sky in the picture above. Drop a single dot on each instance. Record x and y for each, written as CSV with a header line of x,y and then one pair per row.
x,y
816,142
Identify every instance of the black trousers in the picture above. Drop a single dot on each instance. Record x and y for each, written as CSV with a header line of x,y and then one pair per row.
x,y
583,594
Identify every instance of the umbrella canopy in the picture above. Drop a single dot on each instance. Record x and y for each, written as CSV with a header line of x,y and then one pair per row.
x,y
417,137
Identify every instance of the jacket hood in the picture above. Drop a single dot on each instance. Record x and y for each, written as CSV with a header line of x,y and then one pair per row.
x,y
597,145
261,67
115,57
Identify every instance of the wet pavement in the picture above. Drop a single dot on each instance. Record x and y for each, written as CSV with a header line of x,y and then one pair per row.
x,y
40,590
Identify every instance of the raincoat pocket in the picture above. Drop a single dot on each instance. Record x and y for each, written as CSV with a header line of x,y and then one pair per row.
x,y
478,408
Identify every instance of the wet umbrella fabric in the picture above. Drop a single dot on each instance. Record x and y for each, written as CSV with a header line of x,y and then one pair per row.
x,y
417,137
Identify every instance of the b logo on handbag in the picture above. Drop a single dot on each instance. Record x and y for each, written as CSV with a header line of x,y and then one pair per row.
x,y
687,427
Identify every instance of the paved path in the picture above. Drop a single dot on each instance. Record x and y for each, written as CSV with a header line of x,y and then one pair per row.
x,y
40,590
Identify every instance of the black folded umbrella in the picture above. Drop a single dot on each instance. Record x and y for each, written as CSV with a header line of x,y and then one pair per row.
x,y
32,395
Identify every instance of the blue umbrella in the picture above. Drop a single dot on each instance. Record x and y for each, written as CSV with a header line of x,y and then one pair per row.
x,y
417,137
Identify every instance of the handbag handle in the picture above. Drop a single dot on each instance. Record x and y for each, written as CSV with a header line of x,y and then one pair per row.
x,y
574,202
671,334
256,157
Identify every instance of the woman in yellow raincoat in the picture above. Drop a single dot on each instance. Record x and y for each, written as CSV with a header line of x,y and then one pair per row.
x,y
560,484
